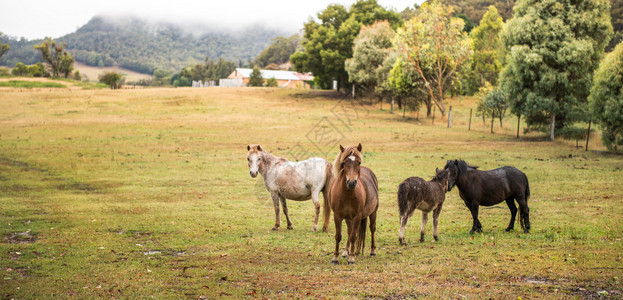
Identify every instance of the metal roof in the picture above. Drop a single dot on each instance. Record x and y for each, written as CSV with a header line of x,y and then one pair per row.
x,y
280,75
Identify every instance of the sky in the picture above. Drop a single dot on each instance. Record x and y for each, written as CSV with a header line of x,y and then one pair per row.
x,y
54,18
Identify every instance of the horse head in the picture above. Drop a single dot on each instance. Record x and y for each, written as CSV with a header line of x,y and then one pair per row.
x,y
453,172
443,177
349,161
254,158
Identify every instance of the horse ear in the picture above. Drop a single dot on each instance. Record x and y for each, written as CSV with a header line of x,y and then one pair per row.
x,y
248,147
341,148
259,148
359,147
436,170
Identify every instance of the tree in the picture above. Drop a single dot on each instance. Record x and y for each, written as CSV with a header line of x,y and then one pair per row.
x,y
553,48
371,48
327,45
255,79
407,86
161,77
279,51
113,79
58,60
606,99
4,48
488,50
66,65
496,102
434,41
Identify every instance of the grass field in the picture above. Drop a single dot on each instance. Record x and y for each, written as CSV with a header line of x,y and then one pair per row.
x,y
146,193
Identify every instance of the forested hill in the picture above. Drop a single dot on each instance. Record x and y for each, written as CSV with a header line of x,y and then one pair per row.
x,y
144,46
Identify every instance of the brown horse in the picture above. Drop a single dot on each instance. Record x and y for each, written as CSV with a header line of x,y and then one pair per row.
x,y
427,196
354,198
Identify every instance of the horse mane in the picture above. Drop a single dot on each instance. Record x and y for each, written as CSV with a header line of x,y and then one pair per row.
x,y
463,166
337,164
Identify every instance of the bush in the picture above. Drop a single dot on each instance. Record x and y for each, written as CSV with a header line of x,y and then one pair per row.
x,y
20,70
271,82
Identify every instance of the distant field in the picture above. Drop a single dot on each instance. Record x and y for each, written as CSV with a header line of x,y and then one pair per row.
x,y
93,72
31,84
147,194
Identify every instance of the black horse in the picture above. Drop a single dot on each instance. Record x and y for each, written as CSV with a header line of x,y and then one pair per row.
x,y
489,188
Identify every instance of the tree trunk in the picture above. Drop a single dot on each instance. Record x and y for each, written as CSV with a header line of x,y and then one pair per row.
x,y
429,107
552,124
392,109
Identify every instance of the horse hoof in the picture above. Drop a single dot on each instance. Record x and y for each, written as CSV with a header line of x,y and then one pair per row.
x,y
351,262
508,229
436,239
325,229
372,254
290,227
421,240
275,228
334,262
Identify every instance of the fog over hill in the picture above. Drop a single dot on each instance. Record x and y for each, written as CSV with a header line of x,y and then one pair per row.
x,y
143,46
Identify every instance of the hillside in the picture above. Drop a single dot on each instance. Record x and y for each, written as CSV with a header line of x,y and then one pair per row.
x,y
92,72
143,46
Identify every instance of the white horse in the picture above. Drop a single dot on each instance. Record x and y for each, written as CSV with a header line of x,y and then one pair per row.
x,y
297,181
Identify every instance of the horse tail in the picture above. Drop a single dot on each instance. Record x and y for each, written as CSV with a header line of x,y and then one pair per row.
x,y
522,215
402,198
527,187
326,193
360,241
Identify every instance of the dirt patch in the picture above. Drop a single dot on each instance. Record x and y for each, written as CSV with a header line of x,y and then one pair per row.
x,y
21,237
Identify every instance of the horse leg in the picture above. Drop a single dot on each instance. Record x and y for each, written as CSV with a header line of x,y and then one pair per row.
x,y
372,230
436,214
275,197
511,205
285,211
352,239
403,224
338,238
476,227
424,220
317,208
348,232
524,214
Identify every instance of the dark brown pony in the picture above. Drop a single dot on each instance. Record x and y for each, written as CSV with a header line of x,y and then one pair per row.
x,y
354,198
427,196
489,188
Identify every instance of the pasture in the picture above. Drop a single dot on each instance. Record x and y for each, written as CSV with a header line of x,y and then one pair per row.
x,y
147,193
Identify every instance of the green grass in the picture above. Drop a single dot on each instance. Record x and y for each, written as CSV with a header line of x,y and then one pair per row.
x,y
31,84
146,193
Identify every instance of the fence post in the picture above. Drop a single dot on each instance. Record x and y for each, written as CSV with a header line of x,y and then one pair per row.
x,y
492,118
518,122
469,127
449,116
588,134
433,115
